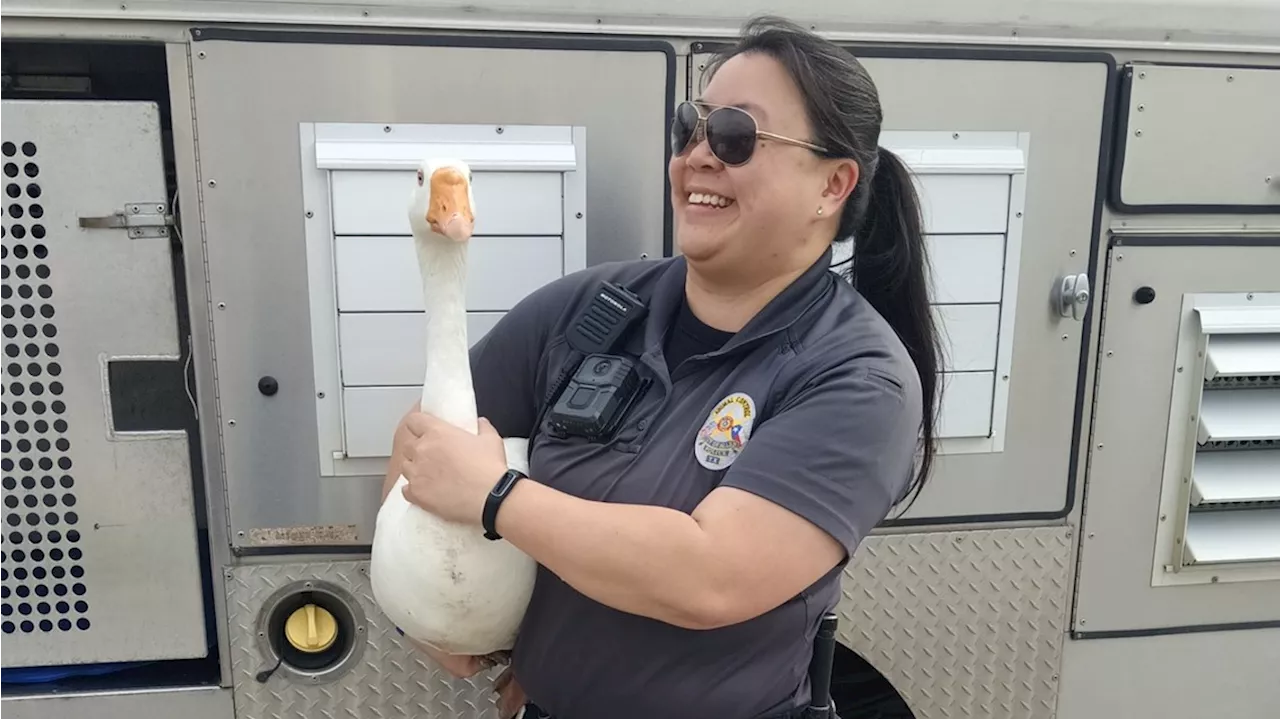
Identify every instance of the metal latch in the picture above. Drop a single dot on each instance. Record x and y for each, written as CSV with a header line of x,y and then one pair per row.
x,y
142,219
1072,296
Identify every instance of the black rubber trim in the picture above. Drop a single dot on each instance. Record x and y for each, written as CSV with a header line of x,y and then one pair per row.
x,y
1122,139
511,42
1169,631
1106,141
1195,241
283,550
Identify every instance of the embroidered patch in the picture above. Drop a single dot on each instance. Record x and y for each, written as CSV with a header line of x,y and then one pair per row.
x,y
725,432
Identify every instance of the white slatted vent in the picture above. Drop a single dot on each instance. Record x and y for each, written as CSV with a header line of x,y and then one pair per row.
x,y
1233,512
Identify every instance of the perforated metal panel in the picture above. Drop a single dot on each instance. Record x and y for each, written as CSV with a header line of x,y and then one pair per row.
x,y
43,587
99,547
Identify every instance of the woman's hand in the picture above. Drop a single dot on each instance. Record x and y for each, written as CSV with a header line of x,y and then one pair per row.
x,y
449,470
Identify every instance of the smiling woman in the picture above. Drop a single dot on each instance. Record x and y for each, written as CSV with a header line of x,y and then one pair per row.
x,y
688,548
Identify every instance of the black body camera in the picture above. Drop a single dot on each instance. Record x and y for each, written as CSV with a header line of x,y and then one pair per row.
x,y
591,399
597,397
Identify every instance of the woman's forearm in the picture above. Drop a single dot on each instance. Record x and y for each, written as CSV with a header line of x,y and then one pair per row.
x,y
651,561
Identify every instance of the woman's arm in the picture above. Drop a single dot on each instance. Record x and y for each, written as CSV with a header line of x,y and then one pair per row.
x,y
810,483
736,557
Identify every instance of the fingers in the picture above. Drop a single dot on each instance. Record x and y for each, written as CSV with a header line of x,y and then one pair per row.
x,y
419,423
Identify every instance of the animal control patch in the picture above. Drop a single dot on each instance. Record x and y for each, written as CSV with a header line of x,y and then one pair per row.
x,y
725,432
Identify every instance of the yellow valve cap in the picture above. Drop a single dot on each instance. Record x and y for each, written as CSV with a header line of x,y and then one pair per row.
x,y
311,629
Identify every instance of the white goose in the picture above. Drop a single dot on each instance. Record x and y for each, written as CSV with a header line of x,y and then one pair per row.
x,y
442,583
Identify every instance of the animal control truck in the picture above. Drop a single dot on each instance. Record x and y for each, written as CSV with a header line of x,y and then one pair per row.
x,y
210,316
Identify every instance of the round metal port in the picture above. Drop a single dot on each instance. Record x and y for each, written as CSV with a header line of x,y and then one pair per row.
x,y
310,631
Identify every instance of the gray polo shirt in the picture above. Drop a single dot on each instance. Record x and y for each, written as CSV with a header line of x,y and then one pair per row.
x,y
814,405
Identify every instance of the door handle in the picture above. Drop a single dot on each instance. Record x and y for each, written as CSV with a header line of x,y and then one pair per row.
x,y
1071,297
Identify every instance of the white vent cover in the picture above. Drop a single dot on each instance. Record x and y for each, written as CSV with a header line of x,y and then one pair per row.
x,y
529,184
1228,515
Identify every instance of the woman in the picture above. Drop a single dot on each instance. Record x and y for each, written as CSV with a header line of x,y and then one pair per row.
x,y
687,557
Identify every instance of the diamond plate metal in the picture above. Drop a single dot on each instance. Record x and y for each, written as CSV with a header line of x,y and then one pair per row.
x,y
963,624
391,678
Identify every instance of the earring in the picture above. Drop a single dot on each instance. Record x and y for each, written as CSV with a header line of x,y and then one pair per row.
x,y
819,210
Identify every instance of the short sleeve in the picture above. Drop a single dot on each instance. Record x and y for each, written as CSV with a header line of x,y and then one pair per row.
x,y
839,452
506,364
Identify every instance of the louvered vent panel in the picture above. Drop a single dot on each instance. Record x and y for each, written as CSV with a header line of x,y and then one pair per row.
x,y
1233,513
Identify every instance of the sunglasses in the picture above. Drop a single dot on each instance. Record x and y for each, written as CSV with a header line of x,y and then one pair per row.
x,y
731,133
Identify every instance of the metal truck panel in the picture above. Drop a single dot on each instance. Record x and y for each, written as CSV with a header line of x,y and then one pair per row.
x,y
1134,575
199,702
1210,674
267,286
1230,113
1159,24
963,624
101,560
1024,412
990,650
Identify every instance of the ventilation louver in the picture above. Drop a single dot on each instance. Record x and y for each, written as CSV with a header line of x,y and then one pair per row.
x,y
1232,509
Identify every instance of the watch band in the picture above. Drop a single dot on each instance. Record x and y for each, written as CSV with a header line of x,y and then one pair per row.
x,y
497,495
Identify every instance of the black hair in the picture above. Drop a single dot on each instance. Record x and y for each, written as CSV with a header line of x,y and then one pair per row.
x,y
882,215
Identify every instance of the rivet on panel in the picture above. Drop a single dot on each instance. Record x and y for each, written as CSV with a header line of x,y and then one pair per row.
x,y
1119,258
1141,108
1110,353
1137,133
1066,337
222,305
1100,445
1018,215
1249,296
1179,369
213,183
578,215
201,55
1073,253
498,130
231,423
1142,76
1231,78
1267,179
386,128
320,395
1163,517
310,214
1213,580
955,136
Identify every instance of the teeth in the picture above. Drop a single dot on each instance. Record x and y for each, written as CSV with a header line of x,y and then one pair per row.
x,y
698,198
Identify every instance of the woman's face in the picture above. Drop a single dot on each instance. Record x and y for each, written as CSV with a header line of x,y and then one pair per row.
x,y
761,216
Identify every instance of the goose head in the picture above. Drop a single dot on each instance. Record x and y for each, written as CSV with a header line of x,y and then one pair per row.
x,y
442,206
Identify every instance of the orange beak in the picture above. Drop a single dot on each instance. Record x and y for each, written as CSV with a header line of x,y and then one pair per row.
x,y
449,209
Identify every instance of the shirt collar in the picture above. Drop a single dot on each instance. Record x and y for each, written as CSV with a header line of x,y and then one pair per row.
x,y
779,314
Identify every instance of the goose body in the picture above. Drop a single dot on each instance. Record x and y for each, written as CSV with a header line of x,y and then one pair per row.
x,y
443,583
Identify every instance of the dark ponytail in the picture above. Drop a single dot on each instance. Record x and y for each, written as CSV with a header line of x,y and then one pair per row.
x,y
890,270
882,215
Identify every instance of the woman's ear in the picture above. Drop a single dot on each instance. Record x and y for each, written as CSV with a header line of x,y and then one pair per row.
x,y
842,177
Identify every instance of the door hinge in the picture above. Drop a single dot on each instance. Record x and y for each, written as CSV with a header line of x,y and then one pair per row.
x,y
142,219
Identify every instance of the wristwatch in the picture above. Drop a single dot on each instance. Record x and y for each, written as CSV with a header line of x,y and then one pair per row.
x,y
497,495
